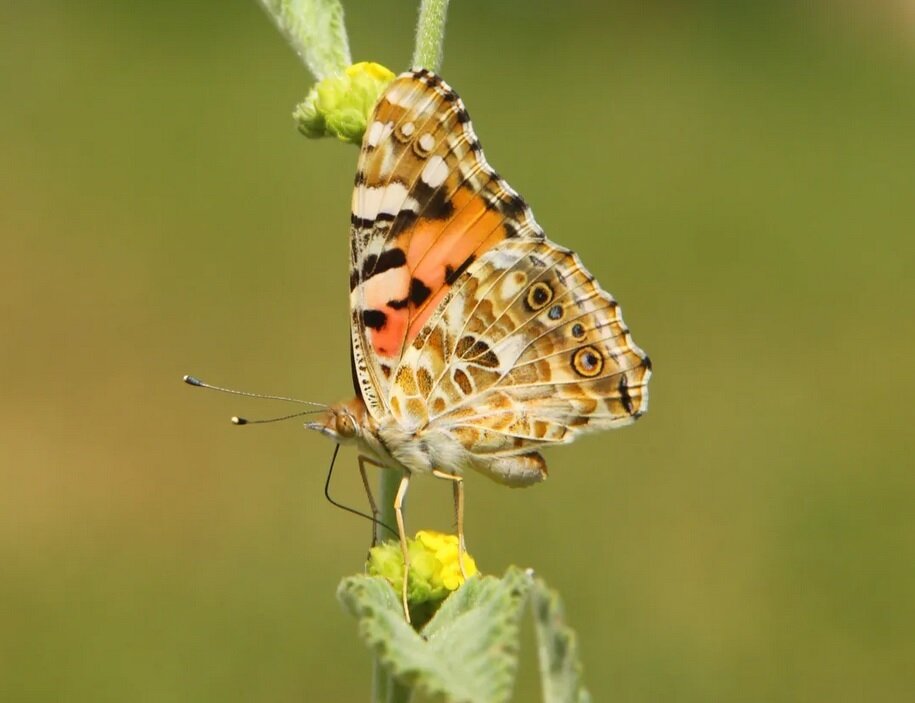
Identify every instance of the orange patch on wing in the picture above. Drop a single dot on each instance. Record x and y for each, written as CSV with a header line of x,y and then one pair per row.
x,y
388,340
423,314
436,248
378,291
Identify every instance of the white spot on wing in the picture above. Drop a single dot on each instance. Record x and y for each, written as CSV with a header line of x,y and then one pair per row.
x,y
369,202
509,350
408,129
378,132
400,94
366,201
396,199
504,257
435,171
427,142
512,285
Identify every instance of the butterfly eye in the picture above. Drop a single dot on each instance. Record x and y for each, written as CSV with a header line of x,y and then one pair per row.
x,y
588,362
539,295
345,425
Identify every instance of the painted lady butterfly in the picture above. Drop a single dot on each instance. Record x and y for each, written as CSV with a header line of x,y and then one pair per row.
x,y
476,341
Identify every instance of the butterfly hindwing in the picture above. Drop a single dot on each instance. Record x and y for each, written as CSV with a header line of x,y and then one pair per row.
x,y
426,205
526,350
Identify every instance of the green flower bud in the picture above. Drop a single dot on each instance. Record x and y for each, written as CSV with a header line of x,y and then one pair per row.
x,y
340,106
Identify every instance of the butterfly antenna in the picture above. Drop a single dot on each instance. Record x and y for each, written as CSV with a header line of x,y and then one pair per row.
x,y
194,381
330,472
245,421
316,407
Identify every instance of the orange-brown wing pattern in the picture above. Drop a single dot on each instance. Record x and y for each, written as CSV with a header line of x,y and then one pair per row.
x,y
426,205
526,350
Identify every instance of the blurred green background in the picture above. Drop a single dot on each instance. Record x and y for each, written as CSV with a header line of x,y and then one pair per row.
x,y
740,178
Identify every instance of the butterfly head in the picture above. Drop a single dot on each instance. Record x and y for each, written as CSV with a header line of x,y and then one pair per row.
x,y
343,423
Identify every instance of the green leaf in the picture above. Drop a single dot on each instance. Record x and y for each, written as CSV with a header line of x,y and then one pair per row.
x,y
557,645
467,652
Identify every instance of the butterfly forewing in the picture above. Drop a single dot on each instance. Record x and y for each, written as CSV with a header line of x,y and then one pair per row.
x,y
425,206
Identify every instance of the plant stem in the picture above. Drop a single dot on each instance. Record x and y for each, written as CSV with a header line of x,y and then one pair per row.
x,y
399,693
315,30
388,483
385,689
430,34
381,682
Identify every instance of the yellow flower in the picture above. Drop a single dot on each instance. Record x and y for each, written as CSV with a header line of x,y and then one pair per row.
x,y
339,106
445,548
434,567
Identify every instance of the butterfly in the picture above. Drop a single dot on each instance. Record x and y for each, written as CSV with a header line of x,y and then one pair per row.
x,y
476,341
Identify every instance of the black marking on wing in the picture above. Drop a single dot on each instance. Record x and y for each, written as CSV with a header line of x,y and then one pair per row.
x,y
405,220
352,367
435,202
374,319
390,259
419,291
451,275
515,206
625,398
482,355
536,261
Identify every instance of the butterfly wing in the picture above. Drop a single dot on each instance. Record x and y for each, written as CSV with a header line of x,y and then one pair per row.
x,y
426,206
467,323
526,350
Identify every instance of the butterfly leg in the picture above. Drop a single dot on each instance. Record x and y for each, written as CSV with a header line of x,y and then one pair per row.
x,y
363,460
457,485
398,513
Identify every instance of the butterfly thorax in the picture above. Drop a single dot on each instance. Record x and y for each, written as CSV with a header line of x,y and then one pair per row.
x,y
388,442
